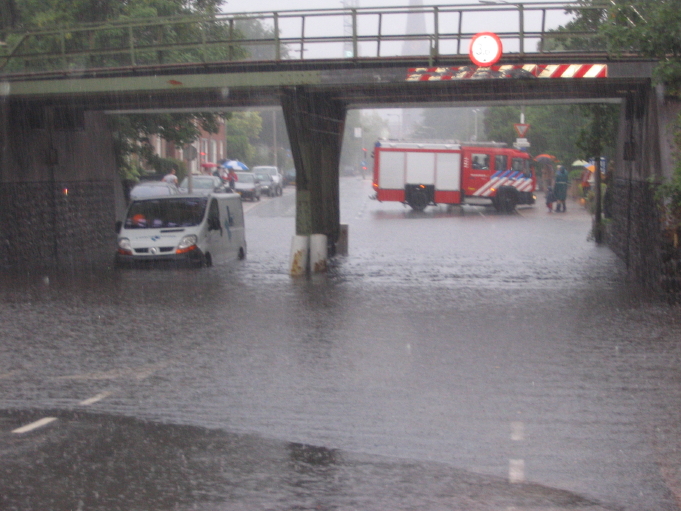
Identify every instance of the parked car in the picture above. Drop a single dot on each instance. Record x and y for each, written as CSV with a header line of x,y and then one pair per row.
x,y
203,185
152,189
276,176
247,185
267,185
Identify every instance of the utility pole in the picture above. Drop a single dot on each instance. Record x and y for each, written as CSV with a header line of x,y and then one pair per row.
x,y
274,136
348,29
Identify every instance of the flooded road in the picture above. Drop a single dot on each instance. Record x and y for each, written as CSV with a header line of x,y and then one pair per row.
x,y
453,360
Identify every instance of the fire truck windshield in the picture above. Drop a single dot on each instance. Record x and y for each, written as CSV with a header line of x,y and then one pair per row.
x,y
521,165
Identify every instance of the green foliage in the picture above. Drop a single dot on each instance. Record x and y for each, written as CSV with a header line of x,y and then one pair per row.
x,y
132,132
243,130
598,136
165,165
553,128
668,193
582,32
650,27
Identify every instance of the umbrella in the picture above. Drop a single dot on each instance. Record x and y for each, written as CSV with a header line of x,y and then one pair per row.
x,y
580,163
209,165
235,165
545,158
590,168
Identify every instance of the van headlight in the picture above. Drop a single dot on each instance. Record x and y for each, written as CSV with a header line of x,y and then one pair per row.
x,y
124,247
186,244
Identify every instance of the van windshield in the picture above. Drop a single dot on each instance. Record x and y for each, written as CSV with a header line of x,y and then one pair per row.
x,y
172,212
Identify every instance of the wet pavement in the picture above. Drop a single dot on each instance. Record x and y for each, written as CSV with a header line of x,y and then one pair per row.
x,y
453,360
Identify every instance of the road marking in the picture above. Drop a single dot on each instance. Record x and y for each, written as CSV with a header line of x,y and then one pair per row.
x,y
516,471
95,399
517,431
139,373
10,374
35,425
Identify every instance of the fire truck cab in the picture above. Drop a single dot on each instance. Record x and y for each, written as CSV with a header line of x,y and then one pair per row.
x,y
422,174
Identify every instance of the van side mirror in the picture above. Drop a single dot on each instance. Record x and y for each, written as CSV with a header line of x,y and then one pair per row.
x,y
119,224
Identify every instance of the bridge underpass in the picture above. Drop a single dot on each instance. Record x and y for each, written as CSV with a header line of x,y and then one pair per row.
x,y
58,170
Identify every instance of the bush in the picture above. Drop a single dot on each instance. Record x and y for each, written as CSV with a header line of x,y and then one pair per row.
x,y
163,166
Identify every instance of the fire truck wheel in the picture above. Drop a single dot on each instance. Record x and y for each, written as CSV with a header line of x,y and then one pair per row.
x,y
418,200
507,200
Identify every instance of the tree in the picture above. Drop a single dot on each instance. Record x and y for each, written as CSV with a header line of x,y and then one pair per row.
x,y
553,129
583,32
243,130
8,15
132,132
650,27
274,134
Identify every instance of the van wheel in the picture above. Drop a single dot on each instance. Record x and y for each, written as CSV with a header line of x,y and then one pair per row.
x,y
242,254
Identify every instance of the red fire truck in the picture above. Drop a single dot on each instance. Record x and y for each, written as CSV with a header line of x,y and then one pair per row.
x,y
421,174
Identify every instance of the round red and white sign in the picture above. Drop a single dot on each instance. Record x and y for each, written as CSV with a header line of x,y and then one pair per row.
x,y
485,49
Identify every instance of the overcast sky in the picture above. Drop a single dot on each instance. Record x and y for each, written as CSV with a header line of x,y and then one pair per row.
x,y
281,5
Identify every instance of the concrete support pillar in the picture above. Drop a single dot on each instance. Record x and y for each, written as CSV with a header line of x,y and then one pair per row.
x,y
315,123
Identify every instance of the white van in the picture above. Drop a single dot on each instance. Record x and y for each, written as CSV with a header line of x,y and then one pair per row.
x,y
196,229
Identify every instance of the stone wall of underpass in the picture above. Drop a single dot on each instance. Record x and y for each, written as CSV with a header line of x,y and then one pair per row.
x,y
57,190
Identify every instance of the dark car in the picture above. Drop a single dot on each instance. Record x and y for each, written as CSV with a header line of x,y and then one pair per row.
x,y
267,185
289,177
273,172
247,185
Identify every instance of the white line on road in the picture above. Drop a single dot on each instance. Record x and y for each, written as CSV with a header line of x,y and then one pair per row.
x,y
517,431
34,425
10,374
516,471
95,399
139,373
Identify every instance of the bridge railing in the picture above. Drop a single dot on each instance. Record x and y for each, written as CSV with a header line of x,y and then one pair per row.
x,y
356,33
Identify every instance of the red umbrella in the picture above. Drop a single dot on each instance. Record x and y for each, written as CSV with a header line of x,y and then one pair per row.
x,y
209,165
546,159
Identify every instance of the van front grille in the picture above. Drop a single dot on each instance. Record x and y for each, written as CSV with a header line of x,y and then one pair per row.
x,y
160,249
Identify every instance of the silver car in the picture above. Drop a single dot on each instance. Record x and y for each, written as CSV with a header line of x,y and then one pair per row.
x,y
277,178
203,185
152,189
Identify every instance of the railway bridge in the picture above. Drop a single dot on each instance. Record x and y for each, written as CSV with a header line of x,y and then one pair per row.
x,y
58,176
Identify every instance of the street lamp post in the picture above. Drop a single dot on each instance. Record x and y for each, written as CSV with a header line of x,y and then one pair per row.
x,y
475,112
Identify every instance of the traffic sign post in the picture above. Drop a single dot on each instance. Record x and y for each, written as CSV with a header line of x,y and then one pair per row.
x,y
521,143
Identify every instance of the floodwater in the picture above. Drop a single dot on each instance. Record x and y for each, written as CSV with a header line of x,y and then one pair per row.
x,y
453,360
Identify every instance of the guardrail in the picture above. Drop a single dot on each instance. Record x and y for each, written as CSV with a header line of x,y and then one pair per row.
x,y
355,33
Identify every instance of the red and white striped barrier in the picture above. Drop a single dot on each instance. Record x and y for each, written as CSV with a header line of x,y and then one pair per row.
x,y
428,74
